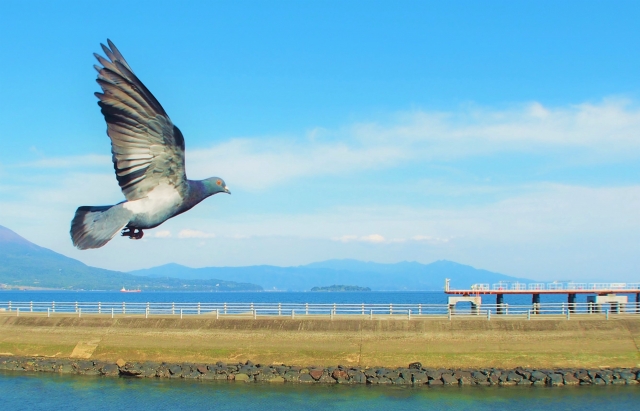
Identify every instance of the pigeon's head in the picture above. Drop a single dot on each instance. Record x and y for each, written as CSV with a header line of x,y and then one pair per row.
x,y
215,185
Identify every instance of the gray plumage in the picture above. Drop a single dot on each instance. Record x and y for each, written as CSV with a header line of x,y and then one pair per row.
x,y
148,158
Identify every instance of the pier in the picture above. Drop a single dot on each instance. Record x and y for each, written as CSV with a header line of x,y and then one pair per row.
x,y
603,294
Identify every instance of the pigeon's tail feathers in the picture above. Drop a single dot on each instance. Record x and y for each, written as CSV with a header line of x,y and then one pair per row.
x,y
93,227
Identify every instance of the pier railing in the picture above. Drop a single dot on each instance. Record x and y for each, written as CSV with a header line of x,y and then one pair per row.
x,y
555,286
307,310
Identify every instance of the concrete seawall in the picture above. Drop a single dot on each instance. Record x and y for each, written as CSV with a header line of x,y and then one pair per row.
x,y
459,343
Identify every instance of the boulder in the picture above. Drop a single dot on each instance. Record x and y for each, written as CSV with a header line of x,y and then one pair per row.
x,y
449,379
175,369
120,362
110,370
538,376
556,379
359,378
316,374
415,366
570,379
306,378
339,374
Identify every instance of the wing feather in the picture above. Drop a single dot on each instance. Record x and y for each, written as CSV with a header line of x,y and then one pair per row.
x,y
147,148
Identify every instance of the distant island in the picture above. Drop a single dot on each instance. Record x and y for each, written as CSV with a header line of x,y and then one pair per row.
x,y
334,287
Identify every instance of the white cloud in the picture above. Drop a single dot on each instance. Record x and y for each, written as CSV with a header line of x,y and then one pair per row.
x,y
608,131
430,239
187,233
162,234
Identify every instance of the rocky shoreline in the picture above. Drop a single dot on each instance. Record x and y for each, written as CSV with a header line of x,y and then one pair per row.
x,y
415,374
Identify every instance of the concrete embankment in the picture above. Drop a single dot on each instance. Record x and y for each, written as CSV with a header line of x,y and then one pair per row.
x,y
436,343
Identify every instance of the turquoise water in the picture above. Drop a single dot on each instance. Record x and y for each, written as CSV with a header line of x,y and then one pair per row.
x,y
20,391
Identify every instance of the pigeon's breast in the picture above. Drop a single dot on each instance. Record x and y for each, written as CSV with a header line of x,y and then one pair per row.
x,y
162,203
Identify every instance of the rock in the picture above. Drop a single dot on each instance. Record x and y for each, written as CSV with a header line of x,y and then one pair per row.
x,y
359,378
306,378
464,377
513,376
276,378
370,372
202,369
120,362
434,375
339,374
372,379
569,379
316,374
420,378
415,366
83,365
110,370
449,379
175,369
556,379
538,376
435,382
392,375
478,376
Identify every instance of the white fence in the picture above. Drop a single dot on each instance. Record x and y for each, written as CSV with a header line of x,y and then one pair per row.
x,y
255,310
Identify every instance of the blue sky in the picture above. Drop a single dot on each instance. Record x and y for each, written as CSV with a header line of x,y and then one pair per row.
x,y
500,134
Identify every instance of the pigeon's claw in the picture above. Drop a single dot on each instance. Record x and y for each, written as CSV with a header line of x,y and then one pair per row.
x,y
132,233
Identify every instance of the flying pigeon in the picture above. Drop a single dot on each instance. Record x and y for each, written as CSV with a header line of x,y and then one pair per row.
x,y
148,158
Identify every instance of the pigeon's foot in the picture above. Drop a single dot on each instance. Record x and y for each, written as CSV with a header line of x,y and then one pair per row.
x,y
132,233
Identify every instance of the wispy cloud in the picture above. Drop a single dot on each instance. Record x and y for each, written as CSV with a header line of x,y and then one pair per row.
x,y
188,233
607,131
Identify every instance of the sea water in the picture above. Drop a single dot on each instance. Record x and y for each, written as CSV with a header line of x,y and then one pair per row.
x,y
22,391
368,297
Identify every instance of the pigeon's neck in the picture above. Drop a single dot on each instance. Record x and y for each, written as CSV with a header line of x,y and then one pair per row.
x,y
198,191
201,189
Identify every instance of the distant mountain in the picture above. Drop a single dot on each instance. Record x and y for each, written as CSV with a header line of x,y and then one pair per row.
x,y
24,264
409,276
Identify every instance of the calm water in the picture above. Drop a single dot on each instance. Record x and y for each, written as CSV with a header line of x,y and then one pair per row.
x,y
382,297
50,392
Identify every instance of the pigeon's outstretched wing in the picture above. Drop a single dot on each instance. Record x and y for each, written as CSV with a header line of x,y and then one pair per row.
x,y
147,148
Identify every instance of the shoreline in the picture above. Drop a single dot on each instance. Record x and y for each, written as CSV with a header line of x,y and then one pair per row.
x,y
413,375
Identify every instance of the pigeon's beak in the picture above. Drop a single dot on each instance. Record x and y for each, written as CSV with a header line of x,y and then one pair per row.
x,y
226,190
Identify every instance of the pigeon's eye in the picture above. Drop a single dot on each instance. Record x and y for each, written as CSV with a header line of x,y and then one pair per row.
x,y
219,182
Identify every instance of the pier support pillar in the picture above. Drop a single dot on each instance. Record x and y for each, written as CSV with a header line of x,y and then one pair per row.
x,y
572,303
535,302
499,303
638,302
